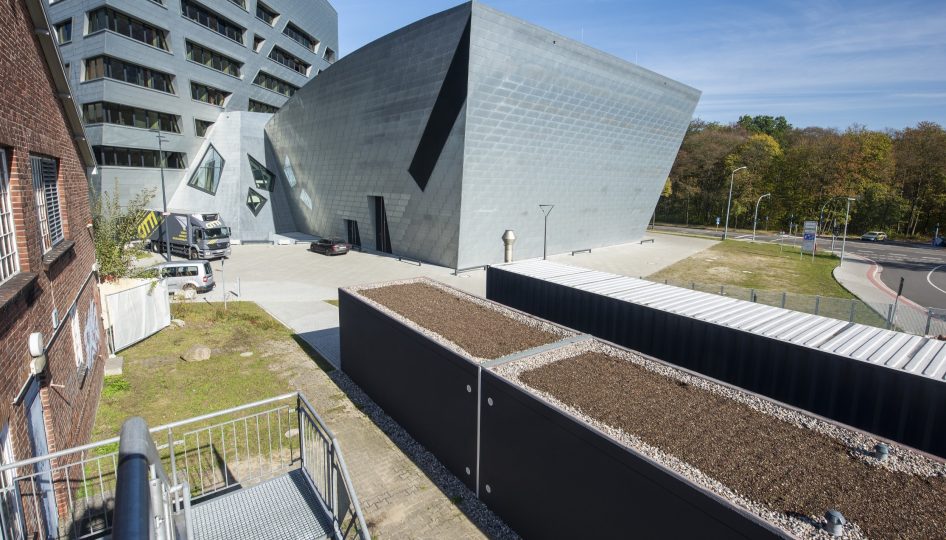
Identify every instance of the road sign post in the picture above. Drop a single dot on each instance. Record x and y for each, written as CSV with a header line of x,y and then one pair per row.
x,y
810,238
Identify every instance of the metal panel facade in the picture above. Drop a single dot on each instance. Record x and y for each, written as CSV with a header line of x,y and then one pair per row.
x,y
546,120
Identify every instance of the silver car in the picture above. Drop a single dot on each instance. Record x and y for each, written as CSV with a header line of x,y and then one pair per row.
x,y
188,277
874,236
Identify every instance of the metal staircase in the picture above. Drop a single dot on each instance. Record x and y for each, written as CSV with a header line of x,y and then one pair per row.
x,y
269,469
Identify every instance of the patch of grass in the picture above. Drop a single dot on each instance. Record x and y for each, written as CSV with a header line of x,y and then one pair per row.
x,y
115,385
761,272
758,266
332,301
160,387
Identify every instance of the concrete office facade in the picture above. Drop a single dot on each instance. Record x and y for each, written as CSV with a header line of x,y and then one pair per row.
x,y
176,65
433,140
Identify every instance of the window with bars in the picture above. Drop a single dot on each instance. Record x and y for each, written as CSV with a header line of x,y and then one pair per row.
x,y
46,189
9,263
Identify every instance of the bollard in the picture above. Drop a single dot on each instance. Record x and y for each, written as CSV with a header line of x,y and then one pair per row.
x,y
509,238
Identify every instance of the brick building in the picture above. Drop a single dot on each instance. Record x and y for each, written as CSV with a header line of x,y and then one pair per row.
x,y
48,282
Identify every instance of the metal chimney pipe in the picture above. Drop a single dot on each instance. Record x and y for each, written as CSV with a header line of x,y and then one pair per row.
x,y
509,238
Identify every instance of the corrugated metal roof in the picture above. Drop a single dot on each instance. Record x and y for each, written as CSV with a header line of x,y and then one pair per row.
x,y
896,350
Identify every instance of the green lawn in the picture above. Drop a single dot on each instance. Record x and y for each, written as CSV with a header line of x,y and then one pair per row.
x,y
161,387
758,266
762,272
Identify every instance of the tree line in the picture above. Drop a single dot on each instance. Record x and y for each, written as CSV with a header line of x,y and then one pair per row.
x,y
898,177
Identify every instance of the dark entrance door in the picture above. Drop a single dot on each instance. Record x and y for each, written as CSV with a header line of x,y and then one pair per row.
x,y
382,234
43,481
354,237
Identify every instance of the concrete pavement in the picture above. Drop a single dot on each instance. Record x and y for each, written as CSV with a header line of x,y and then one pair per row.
x,y
293,284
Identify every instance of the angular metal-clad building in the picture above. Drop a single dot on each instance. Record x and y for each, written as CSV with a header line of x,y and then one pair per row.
x,y
433,140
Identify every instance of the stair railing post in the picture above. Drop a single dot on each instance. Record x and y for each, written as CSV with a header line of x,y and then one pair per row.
x,y
853,307
929,319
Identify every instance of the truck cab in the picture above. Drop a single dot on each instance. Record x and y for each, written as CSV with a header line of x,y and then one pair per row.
x,y
197,235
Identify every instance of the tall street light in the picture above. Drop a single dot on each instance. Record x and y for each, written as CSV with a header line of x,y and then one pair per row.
x,y
164,194
847,217
546,209
755,220
728,204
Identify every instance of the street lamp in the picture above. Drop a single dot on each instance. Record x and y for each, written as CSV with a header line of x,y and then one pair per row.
x,y
847,217
164,194
729,203
546,209
755,220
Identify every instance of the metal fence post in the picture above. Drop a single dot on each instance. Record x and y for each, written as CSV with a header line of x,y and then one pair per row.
x,y
752,295
722,288
693,285
853,307
173,460
889,315
817,304
929,320
784,296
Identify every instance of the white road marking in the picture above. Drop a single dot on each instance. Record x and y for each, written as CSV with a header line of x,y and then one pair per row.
x,y
930,281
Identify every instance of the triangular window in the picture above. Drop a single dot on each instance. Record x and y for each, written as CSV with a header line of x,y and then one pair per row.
x,y
207,175
263,178
255,201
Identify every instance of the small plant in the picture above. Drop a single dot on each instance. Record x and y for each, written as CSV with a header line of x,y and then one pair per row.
x,y
115,385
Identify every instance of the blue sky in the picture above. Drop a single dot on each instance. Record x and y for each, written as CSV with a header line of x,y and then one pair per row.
x,y
817,62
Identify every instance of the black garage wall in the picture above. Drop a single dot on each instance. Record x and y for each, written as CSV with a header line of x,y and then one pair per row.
x,y
894,404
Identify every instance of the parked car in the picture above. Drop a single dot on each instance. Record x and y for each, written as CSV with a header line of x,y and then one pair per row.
x,y
874,236
188,277
329,246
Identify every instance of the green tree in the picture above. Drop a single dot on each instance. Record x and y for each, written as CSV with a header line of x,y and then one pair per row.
x,y
115,229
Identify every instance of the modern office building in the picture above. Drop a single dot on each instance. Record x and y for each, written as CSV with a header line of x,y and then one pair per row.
x,y
136,66
433,140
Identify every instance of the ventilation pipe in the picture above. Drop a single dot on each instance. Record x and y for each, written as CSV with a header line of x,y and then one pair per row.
x,y
509,238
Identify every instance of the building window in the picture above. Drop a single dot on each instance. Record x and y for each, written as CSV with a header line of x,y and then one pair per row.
x,y
266,14
210,19
290,61
122,70
46,190
8,498
239,3
212,59
255,201
301,37
275,84
208,94
201,126
262,177
259,106
106,18
258,42
329,56
116,156
64,31
104,112
206,177
9,263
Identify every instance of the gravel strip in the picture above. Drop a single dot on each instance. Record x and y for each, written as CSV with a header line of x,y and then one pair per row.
x,y
408,301
859,444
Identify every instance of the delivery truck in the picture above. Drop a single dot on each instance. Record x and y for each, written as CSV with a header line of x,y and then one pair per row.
x,y
195,236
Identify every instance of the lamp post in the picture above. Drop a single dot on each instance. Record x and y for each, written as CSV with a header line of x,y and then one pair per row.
x,y
755,220
164,194
546,209
729,203
847,217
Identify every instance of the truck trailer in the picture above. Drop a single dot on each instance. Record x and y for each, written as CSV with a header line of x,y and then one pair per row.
x,y
195,236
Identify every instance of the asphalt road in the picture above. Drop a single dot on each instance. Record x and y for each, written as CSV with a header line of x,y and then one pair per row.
x,y
923,267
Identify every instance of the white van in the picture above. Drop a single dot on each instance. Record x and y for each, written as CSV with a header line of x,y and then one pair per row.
x,y
187,276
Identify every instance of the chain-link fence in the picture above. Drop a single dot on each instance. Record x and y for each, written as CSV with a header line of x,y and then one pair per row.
x,y
903,316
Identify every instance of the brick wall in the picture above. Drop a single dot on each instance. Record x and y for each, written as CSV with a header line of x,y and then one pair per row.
x,y
32,122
